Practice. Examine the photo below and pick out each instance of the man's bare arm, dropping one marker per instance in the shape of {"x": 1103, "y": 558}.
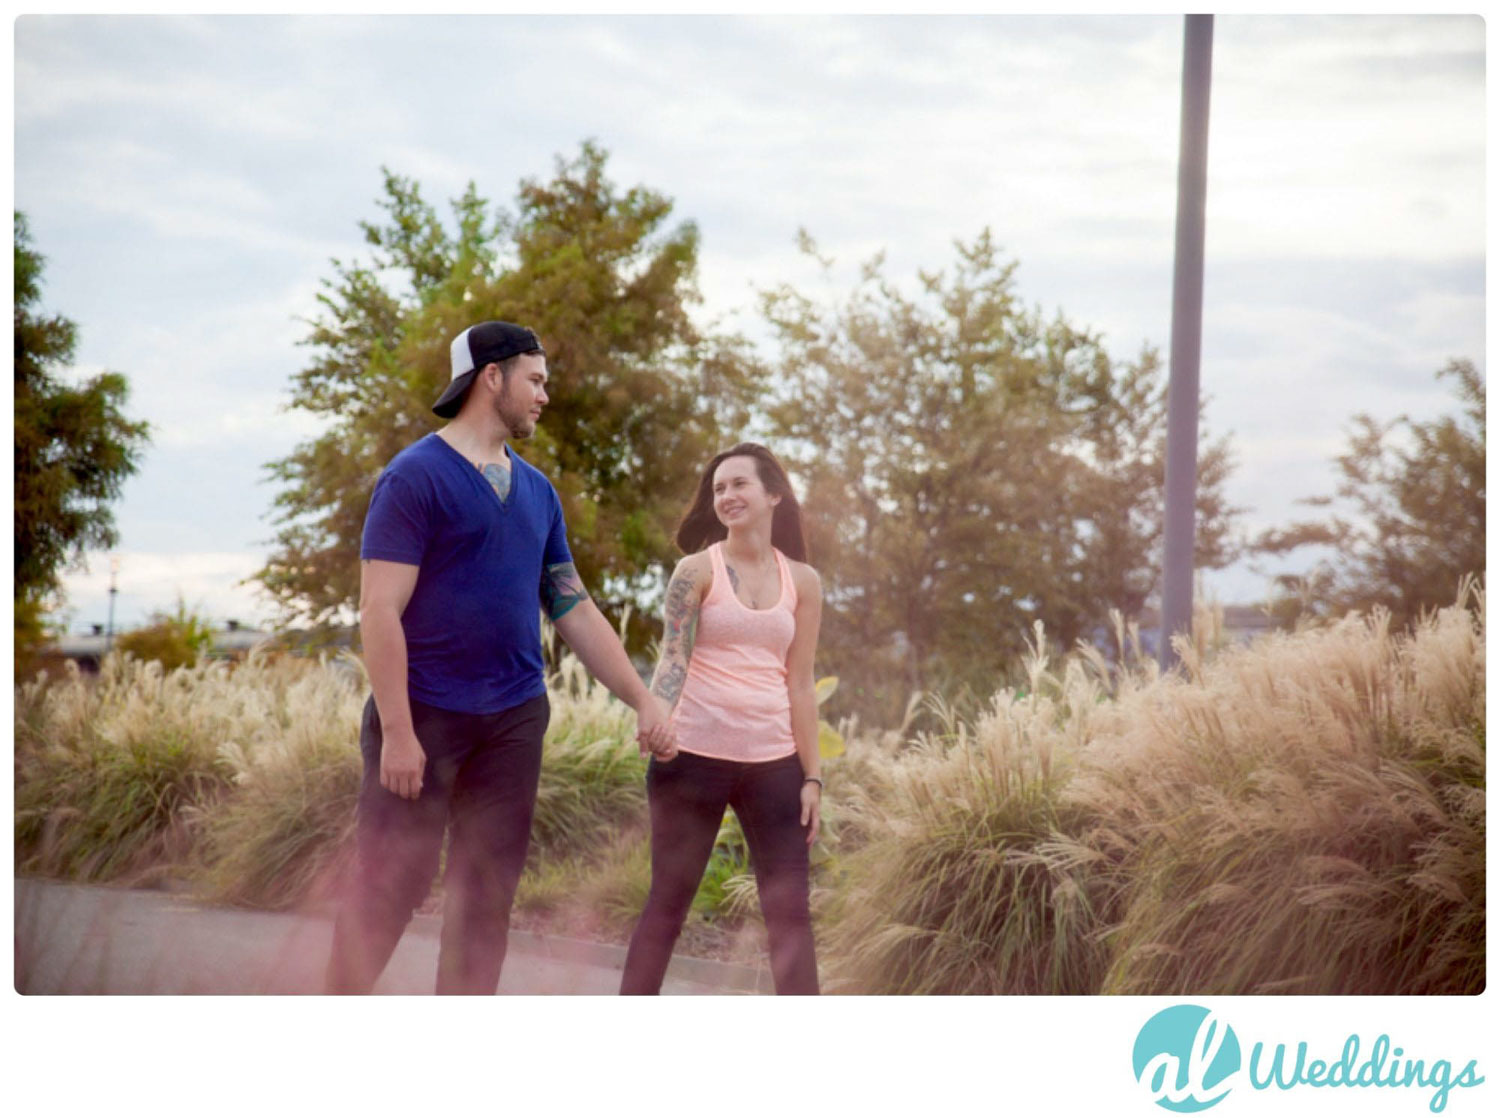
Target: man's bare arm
{"x": 589, "y": 633}
{"x": 595, "y": 642}
{"x": 384, "y": 590}
{"x": 562, "y": 589}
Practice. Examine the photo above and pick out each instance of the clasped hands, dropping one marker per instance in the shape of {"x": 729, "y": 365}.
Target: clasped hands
{"x": 652, "y": 732}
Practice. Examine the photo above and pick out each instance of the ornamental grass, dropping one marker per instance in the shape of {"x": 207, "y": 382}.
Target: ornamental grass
{"x": 1303, "y": 815}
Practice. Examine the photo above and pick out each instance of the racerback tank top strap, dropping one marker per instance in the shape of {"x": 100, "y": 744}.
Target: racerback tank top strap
{"x": 788, "y": 586}
{"x": 721, "y": 574}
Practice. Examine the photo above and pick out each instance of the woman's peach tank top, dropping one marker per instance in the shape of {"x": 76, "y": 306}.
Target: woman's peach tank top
{"x": 734, "y": 702}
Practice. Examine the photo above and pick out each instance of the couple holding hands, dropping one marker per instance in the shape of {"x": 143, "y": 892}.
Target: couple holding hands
{"x": 463, "y": 541}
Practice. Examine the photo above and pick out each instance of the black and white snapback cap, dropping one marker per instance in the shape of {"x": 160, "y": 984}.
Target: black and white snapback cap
{"x": 475, "y": 348}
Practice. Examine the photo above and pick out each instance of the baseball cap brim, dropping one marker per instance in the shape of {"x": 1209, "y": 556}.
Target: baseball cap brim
{"x": 452, "y": 399}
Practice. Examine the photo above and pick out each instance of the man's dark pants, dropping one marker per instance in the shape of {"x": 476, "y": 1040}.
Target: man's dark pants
{"x": 480, "y": 784}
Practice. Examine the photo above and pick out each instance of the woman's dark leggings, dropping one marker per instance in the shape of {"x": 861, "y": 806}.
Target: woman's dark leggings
{"x": 688, "y": 795}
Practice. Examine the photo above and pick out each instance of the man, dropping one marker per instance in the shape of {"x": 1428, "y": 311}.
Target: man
{"x": 462, "y": 543}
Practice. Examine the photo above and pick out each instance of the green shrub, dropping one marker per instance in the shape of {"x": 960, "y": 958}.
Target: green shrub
{"x": 593, "y": 776}
{"x": 728, "y": 885}
{"x": 174, "y": 640}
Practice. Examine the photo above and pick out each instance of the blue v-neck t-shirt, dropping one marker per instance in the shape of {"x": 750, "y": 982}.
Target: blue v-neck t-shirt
{"x": 473, "y": 630}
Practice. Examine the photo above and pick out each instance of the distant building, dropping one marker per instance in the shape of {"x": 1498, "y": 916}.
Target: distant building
{"x": 1242, "y": 624}
{"x": 233, "y": 642}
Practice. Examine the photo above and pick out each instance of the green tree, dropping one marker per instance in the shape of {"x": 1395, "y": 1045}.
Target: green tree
{"x": 639, "y": 396}
{"x": 1415, "y": 492}
{"x": 74, "y": 448}
{"x": 175, "y": 640}
{"x": 970, "y": 470}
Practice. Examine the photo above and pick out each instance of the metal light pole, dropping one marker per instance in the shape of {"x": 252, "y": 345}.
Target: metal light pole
{"x": 1187, "y": 337}
{"x": 109, "y": 631}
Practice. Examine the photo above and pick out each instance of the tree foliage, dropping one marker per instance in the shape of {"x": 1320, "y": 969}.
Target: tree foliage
{"x": 638, "y": 394}
{"x": 1416, "y": 497}
{"x": 174, "y": 640}
{"x": 971, "y": 470}
{"x": 74, "y": 448}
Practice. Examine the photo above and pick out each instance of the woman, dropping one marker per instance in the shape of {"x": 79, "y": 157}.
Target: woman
{"x": 736, "y": 668}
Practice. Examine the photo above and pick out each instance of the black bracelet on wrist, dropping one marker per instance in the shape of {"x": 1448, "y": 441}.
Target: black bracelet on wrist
{"x": 818, "y": 780}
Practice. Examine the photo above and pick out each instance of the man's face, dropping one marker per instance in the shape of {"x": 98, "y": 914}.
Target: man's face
{"x": 523, "y": 394}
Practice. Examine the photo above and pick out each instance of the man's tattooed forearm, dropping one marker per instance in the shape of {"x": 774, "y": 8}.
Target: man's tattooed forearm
{"x": 561, "y": 589}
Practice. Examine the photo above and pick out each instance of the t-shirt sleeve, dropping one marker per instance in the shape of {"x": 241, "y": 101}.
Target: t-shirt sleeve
{"x": 396, "y": 527}
{"x": 556, "y": 550}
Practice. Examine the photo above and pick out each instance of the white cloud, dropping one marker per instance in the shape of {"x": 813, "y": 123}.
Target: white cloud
{"x": 188, "y": 180}
{"x": 123, "y": 180}
{"x": 252, "y": 110}
{"x": 1441, "y": 320}
{"x": 223, "y": 374}
{"x": 1320, "y": 145}
{"x": 261, "y": 423}
{"x": 209, "y": 583}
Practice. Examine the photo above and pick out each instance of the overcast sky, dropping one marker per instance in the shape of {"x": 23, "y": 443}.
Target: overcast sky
{"x": 189, "y": 178}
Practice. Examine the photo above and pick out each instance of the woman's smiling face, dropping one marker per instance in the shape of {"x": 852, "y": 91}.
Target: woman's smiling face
{"x": 739, "y": 495}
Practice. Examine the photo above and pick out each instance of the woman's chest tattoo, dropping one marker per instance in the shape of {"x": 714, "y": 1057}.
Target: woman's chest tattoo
{"x": 752, "y": 595}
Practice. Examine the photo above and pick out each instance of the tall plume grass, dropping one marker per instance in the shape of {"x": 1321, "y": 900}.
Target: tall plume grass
{"x": 593, "y": 775}
{"x": 968, "y": 882}
{"x": 284, "y": 835}
{"x": 1305, "y": 816}
{"x": 112, "y": 775}
{"x": 244, "y": 779}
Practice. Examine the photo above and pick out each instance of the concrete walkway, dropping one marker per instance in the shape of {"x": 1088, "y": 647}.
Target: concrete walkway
{"x": 81, "y": 939}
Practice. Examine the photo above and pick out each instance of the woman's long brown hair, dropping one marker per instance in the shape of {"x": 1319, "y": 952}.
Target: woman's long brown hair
{"x": 701, "y": 527}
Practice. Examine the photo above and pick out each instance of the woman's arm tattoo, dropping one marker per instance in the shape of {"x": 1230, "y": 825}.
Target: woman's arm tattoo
{"x": 679, "y": 633}
{"x": 561, "y": 589}
{"x": 668, "y": 682}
